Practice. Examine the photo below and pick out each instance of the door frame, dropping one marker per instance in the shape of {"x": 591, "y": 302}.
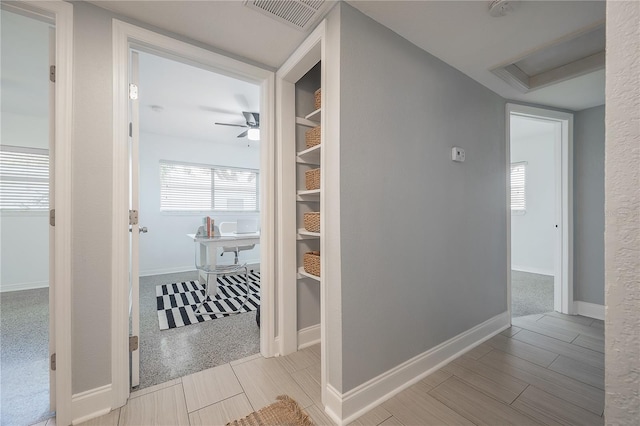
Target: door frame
{"x": 61, "y": 315}
{"x": 126, "y": 36}
{"x": 563, "y": 291}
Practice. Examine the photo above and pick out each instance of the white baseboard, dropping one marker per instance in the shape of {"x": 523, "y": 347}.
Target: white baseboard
{"x": 532, "y": 270}
{"x": 308, "y": 336}
{"x": 162, "y": 271}
{"x": 344, "y": 408}
{"x": 23, "y": 286}
{"x": 148, "y": 272}
{"x": 591, "y": 310}
{"x": 91, "y": 404}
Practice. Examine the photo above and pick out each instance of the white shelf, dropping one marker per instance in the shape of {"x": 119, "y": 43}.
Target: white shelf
{"x": 309, "y": 156}
{"x": 303, "y": 274}
{"x": 314, "y": 116}
{"x": 303, "y": 234}
{"x": 307, "y": 123}
{"x": 309, "y": 195}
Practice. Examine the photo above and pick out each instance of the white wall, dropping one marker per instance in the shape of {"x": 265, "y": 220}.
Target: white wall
{"x": 622, "y": 215}
{"x": 166, "y": 248}
{"x": 532, "y": 233}
{"x": 24, "y": 239}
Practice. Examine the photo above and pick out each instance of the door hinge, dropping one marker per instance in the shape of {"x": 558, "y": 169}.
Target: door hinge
{"x": 133, "y": 343}
{"x": 52, "y": 217}
{"x": 130, "y": 130}
{"x": 53, "y": 362}
{"x": 133, "y": 217}
{"x": 133, "y": 91}
{"x": 52, "y": 73}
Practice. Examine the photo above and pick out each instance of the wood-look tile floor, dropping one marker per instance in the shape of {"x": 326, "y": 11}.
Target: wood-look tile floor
{"x": 546, "y": 369}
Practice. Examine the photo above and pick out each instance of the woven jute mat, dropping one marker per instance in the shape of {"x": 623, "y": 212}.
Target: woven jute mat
{"x": 284, "y": 412}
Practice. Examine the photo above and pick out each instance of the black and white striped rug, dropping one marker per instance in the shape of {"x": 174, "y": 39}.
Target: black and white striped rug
{"x": 177, "y": 302}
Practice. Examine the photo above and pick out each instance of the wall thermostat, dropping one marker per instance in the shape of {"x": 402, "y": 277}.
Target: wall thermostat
{"x": 457, "y": 154}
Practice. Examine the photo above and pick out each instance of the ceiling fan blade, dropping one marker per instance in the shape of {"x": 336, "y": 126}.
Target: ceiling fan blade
{"x": 249, "y": 116}
{"x": 243, "y": 134}
{"x": 229, "y": 124}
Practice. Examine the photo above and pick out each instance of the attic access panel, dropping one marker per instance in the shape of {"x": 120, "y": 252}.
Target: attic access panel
{"x": 570, "y": 57}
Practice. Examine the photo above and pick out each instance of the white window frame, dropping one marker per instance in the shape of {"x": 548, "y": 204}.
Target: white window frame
{"x": 523, "y": 210}
{"x": 24, "y": 180}
{"x": 212, "y": 208}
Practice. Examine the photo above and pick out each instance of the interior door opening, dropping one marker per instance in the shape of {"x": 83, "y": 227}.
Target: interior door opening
{"x": 26, "y": 195}
{"x": 539, "y": 211}
{"x": 195, "y": 159}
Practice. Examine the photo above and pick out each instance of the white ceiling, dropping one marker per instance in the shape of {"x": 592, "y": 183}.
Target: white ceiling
{"x": 227, "y": 25}
{"x": 464, "y": 35}
{"x": 192, "y": 100}
{"x": 461, "y": 33}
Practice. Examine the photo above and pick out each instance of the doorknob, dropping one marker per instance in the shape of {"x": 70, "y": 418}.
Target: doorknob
{"x": 142, "y": 230}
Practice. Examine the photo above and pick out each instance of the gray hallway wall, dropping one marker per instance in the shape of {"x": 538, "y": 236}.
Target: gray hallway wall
{"x": 588, "y": 205}
{"x": 423, "y": 239}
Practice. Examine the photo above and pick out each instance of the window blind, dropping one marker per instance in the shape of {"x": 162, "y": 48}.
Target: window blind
{"x": 24, "y": 178}
{"x": 518, "y": 185}
{"x": 187, "y": 187}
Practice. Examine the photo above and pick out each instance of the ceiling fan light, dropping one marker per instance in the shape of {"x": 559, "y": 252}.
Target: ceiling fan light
{"x": 254, "y": 134}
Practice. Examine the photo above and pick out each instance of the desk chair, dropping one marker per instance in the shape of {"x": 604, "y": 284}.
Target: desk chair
{"x": 208, "y": 270}
{"x": 230, "y": 228}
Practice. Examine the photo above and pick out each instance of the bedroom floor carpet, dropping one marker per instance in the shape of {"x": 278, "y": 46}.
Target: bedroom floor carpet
{"x": 24, "y": 357}
{"x": 530, "y": 293}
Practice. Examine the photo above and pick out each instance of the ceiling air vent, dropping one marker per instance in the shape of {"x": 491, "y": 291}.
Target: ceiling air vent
{"x": 299, "y": 14}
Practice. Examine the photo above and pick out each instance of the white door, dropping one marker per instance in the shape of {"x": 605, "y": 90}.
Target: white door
{"x": 52, "y": 246}
{"x": 135, "y": 229}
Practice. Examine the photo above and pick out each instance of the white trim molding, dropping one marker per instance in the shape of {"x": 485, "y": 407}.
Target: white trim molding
{"x": 126, "y": 36}
{"x": 532, "y": 270}
{"x": 345, "y": 408}
{"x": 91, "y": 404}
{"x": 308, "y": 336}
{"x": 23, "y": 286}
{"x": 61, "y": 312}
{"x": 591, "y": 310}
{"x": 563, "y": 245}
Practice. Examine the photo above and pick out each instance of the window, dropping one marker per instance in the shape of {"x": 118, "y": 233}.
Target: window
{"x": 188, "y": 187}
{"x": 24, "y": 178}
{"x": 518, "y": 180}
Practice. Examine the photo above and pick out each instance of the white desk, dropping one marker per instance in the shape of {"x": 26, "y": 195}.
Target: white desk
{"x": 208, "y": 246}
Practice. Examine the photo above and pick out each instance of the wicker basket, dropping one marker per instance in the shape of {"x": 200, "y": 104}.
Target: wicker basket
{"x": 312, "y": 221}
{"x": 312, "y": 263}
{"x": 312, "y": 137}
{"x": 317, "y": 96}
{"x": 312, "y": 179}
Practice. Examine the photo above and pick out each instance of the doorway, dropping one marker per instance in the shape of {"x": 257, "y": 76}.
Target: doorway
{"x": 126, "y": 38}
{"x": 195, "y": 160}
{"x": 30, "y": 253}
{"x": 539, "y": 204}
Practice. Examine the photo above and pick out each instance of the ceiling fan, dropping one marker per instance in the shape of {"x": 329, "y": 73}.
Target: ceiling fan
{"x": 252, "y": 125}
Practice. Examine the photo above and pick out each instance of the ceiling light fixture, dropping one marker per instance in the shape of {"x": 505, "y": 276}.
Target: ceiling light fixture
{"x": 499, "y": 8}
{"x": 253, "y": 134}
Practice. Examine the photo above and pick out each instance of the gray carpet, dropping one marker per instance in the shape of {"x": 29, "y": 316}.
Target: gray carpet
{"x": 530, "y": 293}
{"x": 24, "y": 357}
{"x": 169, "y": 354}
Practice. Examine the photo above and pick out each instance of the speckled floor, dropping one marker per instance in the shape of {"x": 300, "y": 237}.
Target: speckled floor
{"x": 530, "y": 293}
{"x": 169, "y": 354}
{"x": 24, "y": 354}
